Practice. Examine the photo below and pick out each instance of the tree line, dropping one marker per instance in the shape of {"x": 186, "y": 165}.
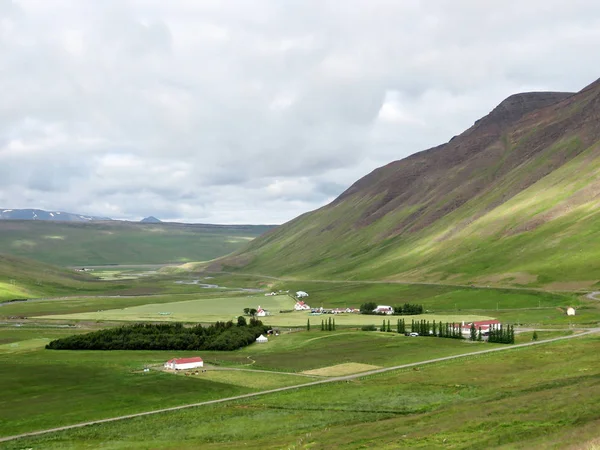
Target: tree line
{"x": 501, "y": 335}
{"x": 407, "y": 309}
{"x": 219, "y": 336}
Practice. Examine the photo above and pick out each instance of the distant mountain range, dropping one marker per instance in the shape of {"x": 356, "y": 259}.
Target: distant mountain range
{"x": 39, "y": 214}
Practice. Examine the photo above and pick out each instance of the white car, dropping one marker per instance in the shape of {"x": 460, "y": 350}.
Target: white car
{"x": 414, "y": 334}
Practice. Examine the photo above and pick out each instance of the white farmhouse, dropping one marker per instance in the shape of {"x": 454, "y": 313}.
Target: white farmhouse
{"x": 301, "y": 294}
{"x": 384, "y": 309}
{"x": 301, "y": 306}
{"x": 261, "y": 312}
{"x": 184, "y": 363}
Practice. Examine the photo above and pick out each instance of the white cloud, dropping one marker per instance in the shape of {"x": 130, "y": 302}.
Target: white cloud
{"x": 247, "y": 112}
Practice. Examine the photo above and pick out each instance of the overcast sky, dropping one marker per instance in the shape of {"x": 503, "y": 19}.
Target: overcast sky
{"x": 254, "y": 111}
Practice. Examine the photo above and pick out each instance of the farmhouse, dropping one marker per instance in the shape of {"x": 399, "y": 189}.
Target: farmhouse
{"x": 301, "y": 306}
{"x": 262, "y": 339}
{"x": 384, "y": 309}
{"x": 184, "y": 363}
{"x": 262, "y": 312}
{"x": 485, "y": 326}
{"x": 301, "y": 294}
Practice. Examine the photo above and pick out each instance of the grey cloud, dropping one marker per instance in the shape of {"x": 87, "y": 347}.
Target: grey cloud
{"x": 241, "y": 112}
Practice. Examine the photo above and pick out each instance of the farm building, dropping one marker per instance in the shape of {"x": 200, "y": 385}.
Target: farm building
{"x": 301, "y": 294}
{"x": 383, "y": 309}
{"x": 485, "y": 326}
{"x": 570, "y": 311}
{"x": 301, "y": 306}
{"x": 184, "y": 363}
{"x": 262, "y": 312}
{"x": 261, "y": 339}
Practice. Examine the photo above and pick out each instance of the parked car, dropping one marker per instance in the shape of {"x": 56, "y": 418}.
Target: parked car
{"x": 414, "y": 334}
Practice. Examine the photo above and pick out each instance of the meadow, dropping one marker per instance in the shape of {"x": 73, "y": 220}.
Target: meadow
{"x": 55, "y": 387}
{"x": 523, "y": 398}
{"x": 118, "y": 242}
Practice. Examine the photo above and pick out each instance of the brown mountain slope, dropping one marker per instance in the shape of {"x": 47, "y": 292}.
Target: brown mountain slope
{"x": 438, "y": 212}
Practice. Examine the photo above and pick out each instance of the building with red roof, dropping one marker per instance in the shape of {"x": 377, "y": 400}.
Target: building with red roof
{"x": 184, "y": 363}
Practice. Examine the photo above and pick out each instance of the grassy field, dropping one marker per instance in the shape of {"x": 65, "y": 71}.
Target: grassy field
{"x": 302, "y": 351}
{"x": 57, "y": 387}
{"x": 229, "y": 308}
{"x": 97, "y": 243}
{"x": 542, "y": 397}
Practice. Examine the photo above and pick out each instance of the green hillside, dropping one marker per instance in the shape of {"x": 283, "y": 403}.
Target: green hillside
{"x": 513, "y": 200}
{"x": 116, "y": 242}
{"x": 24, "y": 278}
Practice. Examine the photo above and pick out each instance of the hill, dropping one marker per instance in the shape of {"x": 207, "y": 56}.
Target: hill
{"x": 512, "y": 200}
{"x": 150, "y": 219}
{"x": 39, "y": 214}
{"x": 119, "y": 242}
{"x": 24, "y": 278}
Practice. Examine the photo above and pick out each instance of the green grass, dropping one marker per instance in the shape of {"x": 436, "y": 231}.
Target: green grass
{"x": 58, "y": 387}
{"x": 98, "y": 243}
{"x": 302, "y": 351}
{"x": 541, "y": 397}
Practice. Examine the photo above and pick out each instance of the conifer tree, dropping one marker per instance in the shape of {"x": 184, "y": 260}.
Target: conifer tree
{"x": 333, "y": 325}
{"x": 535, "y": 336}
{"x": 479, "y": 335}
{"x": 473, "y": 332}
{"x": 308, "y": 325}
{"x": 322, "y": 325}
{"x": 398, "y": 326}
{"x": 383, "y": 327}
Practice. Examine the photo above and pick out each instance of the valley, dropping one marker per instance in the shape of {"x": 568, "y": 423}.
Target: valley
{"x": 498, "y": 227}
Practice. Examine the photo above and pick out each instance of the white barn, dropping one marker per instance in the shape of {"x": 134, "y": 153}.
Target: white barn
{"x": 301, "y": 294}
{"x": 184, "y": 363}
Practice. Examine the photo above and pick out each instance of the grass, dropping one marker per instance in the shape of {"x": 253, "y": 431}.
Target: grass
{"x": 341, "y": 369}
{"x": 56, "y": 387}
{"x": 229, "y": 308}
{"x": 302, "y": 351}
{"x": 99, "y": 243}
{"x": 253, "y": 380}
{"x": 541, "y": 397}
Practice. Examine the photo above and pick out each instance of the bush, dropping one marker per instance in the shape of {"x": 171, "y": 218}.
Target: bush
{"x": 369, "y": 328}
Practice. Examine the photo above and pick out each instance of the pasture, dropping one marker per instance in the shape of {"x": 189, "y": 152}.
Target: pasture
{"x": 541, "y": 397}
{"x": 229, "y": 308}
{"x": 57, "y": 387}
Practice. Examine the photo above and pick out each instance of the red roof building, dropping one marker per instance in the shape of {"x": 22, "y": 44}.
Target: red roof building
{"x": 184, "y": 363}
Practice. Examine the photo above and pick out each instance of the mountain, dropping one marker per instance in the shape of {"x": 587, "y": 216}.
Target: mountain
{"x": 38, "y": 214}
{"x": 513, "y": 200}
{"x": 150, "y": 219}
